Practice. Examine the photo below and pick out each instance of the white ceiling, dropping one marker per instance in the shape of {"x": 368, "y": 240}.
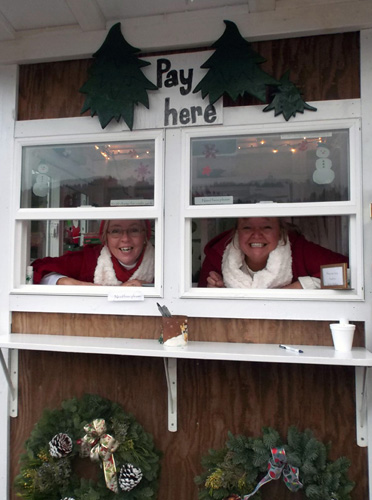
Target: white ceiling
{"x": 37, "y": 30}
{"x": 22, "y": 15}
{"x": 19, "y": 16}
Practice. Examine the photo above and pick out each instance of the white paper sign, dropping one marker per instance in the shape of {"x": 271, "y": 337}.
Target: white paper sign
{"x": 126, "y": 295}
{"x": 213, "y": 200}
{"x": 122, "y": 203}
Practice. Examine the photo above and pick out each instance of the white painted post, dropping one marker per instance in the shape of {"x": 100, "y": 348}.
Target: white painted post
{"x": 8, "y": 100}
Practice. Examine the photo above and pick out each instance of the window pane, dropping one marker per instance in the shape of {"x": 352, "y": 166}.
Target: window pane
{"x": 99, "y": 174}
{"x": 211, "y": 236}
{"x": 130, "y": 244}
{"x": 281, "y": 168}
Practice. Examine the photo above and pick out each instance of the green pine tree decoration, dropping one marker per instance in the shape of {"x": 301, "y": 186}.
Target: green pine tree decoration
{"x": 287, "y": 99}
{"x": 234, "y": 69}
{"x": 116, "y": 82}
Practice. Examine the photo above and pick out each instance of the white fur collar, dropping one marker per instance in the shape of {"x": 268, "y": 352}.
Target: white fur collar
{"x": 104, "y": 273}
{"x": 277, "y": 273}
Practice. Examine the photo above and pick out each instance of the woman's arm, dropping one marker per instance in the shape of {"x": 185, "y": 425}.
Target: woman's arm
{"x": 67, "y": 265}
{"x": 65, "y": 280}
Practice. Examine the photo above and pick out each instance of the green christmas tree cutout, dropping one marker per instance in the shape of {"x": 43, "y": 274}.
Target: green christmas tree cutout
{"x": 234, "y": 69}
{"x": 287, "y": 99}
{"x": 116, "y": 82}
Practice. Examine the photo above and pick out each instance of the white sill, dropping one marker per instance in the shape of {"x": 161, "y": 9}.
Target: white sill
{"x": 274, "y": 294}
{"x": 93, "y": 291}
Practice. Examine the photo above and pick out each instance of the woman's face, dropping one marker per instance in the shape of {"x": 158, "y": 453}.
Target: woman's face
{"x": 258, "y": 236}
{"x": 126, "y": 240}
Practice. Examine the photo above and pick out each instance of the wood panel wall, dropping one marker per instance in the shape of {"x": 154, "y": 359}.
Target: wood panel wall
{"x": 324, "y": 68}
{"x": 213, "y": 397}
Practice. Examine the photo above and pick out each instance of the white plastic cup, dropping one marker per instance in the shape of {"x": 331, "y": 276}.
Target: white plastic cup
{"x": 342, "y": 336}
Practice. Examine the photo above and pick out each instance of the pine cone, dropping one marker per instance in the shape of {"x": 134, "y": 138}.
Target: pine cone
{"x": 129, "y": 477}
{"x": 60, "y": 446}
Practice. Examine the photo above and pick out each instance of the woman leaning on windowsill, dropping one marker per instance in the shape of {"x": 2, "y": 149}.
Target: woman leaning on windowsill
{"x": 125, "y": 258}
{"x": 263, "y": 253}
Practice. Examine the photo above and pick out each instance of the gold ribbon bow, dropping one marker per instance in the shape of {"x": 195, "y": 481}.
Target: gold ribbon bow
{"x": 102, "y": 447}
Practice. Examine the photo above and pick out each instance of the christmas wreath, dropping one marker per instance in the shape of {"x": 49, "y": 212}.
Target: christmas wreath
{"x": 246, "y": 464}
{"x": 88, "y": 427}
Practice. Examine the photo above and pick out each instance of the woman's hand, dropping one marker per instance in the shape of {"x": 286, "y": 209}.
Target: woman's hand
{"x": 296, "y": 285}
{"x": 215, "y": 280}
{"x": 65, "y": 280}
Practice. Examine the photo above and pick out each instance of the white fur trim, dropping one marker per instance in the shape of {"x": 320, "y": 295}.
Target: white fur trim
{"x": 104, "y": 273}
{"x": 277, "y": 273}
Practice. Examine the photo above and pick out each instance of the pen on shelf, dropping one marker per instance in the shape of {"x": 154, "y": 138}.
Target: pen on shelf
{"x": 164, "y": 311}
{"x": 289, "y": 348}
{"x": 161, "y": 309}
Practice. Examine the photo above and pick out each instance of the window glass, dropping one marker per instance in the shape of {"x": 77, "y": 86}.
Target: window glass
{"x": 281, "y": 168}
{"x": 210, "y": 237}
{"x": 56, "y": 238}
{"x": 96, "y": 174}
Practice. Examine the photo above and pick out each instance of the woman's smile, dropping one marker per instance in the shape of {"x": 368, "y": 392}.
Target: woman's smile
{"x": 258, "y": 236}
{"x": 126, "y": 240}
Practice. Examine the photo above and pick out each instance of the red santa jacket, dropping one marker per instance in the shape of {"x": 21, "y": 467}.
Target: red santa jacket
{"x": 307, "y": 257}
{"x": 79, "y": 265}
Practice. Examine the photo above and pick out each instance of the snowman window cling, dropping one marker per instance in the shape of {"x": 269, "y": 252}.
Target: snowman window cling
{"x": 323, "y": 173}
{"x": 41, "y": 186}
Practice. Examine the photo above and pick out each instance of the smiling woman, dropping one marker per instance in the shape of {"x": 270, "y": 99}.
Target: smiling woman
{"x": 125, "y": 257}
{"x": 264, "y": 252}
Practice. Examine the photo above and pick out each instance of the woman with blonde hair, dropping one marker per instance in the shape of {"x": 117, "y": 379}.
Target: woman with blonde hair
{"x": 125, "y": 257}
{"x": 263, "y": 253}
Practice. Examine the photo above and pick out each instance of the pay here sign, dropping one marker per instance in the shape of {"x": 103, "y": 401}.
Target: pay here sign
{"x": 174, "y": 104}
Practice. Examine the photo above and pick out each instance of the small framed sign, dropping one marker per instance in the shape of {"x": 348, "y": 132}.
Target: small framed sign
{"x": 334, "y": 276}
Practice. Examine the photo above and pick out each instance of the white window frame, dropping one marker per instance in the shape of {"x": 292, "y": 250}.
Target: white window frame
{"x": 174, "y": 213}
{"x": 351, "y": 208}
{"x": 80, "y": 131}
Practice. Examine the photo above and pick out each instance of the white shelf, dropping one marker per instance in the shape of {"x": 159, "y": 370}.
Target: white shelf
{"x": 359, "y": 358}
{"x": 264, "y": 353}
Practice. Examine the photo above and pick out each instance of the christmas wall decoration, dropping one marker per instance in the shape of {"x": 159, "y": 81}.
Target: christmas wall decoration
{"x": 126, "y": 461}
{"x": 287, "y": 99}
{"x": 116, "y": 82}
{"x": 234, "y": 69}
{"x": 245, "y": 465}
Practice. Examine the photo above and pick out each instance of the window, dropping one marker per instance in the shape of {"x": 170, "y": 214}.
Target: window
{"x": 190, "y": 185}
{"x": 308, "y": 176}
{"x": 69, "y": 185}
{"x": 270, "y": 168}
